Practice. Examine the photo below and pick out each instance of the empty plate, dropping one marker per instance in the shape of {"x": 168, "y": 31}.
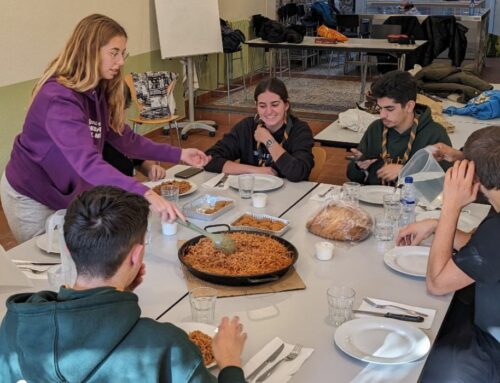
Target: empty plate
{"x": 466, "y": 222}
{"x": 410, "y": 260}
{"x": 374, "y": 193}
{"x": 263, "y": 182}
{"x": 382, "y": 341}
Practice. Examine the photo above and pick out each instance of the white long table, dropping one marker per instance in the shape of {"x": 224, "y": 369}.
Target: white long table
{"x": 164, "y": 284}
{"x": 298, "y": 317}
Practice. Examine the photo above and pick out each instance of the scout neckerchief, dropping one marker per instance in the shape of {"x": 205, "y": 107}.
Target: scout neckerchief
{"x": 386, "y": 157}
{"x": 262, "y": 155}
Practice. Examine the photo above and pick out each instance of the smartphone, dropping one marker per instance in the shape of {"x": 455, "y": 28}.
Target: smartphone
{"x": 188, "y": 173}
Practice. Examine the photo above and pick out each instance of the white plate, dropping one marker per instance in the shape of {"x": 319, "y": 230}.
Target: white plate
{"x": 152, "y": 184}
{"x": 42, "y": 243}
{"x": 410, "y": 260}
{"x": 382, "y": 341}
{"x": 374, "y": 193}
{"x": 263, "y": 182}
{"x": 466, "y": 222}
{"x": 210, "y": 330}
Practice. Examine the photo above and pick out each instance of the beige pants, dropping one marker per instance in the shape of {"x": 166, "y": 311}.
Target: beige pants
{"x": 25, "y": 216}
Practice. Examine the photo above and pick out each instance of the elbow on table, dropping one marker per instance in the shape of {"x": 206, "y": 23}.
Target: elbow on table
{"x": 435, "y": 286}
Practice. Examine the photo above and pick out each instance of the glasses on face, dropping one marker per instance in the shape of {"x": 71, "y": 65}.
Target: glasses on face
{"x": 116, "y": 55}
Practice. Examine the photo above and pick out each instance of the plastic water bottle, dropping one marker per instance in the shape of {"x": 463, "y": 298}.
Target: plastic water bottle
{"x": 408, "y": 202}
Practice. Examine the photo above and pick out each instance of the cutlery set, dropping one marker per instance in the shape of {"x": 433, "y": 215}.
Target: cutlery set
{"x": 289, "y": 357}
{"x": 222, "y": 181}
{"x": 414, "y": 316}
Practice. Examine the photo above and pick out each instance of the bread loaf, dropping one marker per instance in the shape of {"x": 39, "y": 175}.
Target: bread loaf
{"x": 341, "y": 222}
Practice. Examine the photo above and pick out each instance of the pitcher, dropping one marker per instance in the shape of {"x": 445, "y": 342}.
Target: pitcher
{"x": 66, "y": 274}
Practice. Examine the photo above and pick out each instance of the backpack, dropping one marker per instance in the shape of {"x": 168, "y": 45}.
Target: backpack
{"x": 231, "y": 39}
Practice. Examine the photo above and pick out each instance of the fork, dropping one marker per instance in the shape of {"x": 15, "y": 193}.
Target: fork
{"x": 379, "y": 306}
{"x": 291, "y": 356}
{"x": 325, "y": 193}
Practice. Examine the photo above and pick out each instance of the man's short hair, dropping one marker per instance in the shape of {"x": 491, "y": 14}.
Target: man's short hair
{"x": 397, "y": 85}
{"x": 101, "y": 226}
{"x": 483, "y": 147}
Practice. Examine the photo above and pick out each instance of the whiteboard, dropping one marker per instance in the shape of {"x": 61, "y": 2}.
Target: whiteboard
{"x": 188, "y": 27}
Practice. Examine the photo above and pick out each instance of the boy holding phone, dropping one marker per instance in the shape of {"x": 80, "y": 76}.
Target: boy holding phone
{"x": 404, "y": 128}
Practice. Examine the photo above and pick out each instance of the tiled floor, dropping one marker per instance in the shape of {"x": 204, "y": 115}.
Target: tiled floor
{"x": 333, "y": 170}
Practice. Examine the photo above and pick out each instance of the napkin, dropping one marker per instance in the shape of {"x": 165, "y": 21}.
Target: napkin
{"x": 285, "y": 371}
{"x": 334, "y": 193}
{"x": 10, "y": 275}
{"x": 426, "y": 324}
{"x": 210, "y": 184}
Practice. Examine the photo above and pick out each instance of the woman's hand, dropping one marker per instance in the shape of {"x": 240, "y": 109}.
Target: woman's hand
{"x": 152, "y": 170}
{"x": 194, "y": 157}
{"x": 414, "y": 233}
{"x": 389, "y": 172}
{"x": 167, "y": 210}
{"x": 442, "y": 152}
{"x": 261, "y": 135}
{"x": 228, "y": 343}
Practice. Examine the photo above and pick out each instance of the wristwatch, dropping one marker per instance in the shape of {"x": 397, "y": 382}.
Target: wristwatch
{"x": 269, "y": 142}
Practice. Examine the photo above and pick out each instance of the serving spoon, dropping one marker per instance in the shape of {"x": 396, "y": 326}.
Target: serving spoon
{"x": 221, "y": 242}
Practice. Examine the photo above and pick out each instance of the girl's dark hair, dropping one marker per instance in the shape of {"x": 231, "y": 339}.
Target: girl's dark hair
{"x": 272, "y": 85}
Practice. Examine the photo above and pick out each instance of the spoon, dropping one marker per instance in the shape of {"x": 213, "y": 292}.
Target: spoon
{"x": 221, "y": 242}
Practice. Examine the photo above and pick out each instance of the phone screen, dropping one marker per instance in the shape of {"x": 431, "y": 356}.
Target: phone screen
{"x": 189, "y": 172}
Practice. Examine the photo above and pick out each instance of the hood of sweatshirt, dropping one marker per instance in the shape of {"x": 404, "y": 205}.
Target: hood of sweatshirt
{"x": 65, "y": 336}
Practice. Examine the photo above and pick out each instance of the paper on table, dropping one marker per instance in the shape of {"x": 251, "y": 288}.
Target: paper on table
{"x": 285, "y": 371}
{"x": 426, "y": 324}
{"x": 210, "y": 184}
{"x": 10, "y": 275}
{"x": 323, "y": 188}
{"x": 40, "y": 273}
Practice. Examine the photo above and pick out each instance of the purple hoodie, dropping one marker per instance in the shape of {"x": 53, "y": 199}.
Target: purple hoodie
{"x": 59, "y": 151}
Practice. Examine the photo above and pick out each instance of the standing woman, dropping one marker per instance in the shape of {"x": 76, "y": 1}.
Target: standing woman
{"x": 77, "y": 106}
{"x": 273, "y": 142}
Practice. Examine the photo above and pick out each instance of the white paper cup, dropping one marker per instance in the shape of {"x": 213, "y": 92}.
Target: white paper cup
{"x": 324, "y": 250}
{"x": 259, "y": 199}
{"x": 169, "y": 228}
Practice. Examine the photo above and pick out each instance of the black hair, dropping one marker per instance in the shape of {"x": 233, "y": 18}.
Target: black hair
{"x": 483, "y": 147}
{"x": 397, "y": 85}
{"x": 101, "y": 226}
{"x": 273, "y": 85}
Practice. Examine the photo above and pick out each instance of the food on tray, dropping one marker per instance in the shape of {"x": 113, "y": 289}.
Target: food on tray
{"x": 341, "y": 222}
{"x": 184, "y": 186}
{"x": 255, "y": 254}
{"x": 216, "y": 207}
{"x": 259, "y": 223}
{"x": 204, "y": 343}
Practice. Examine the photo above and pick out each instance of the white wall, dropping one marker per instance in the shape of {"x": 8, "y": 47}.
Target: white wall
{"x": 233, "y": 10}
{"x": 32, "y": 32}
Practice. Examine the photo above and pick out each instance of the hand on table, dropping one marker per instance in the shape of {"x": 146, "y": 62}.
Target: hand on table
{"x": 152, "y": 170}
{"x": 228, "y": 343}
{"x": 194, "y": 157}
{"x": 389, "y": 172}
{"x": 414, "y": 233}
{"x": 267, "y": 170}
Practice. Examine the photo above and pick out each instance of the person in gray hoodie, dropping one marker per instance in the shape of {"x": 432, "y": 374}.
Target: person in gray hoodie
{"x": 93, "y": 331}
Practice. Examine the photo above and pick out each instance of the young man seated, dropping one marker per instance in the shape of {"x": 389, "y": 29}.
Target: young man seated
{"x": 93, "y": 331}
{"x": 471, "y": 351}
{"x": 404, "y": 128}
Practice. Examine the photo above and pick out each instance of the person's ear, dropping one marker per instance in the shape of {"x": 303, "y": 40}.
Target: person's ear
{"x": 410, "y": 106}
{"x": 136, "y": 254}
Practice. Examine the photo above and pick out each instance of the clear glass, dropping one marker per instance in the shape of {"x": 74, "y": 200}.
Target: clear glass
{"x": 350, "y": 192}
{"x": 170, "y": 193}
{"x": 340, "y": 302}
{"x": 202, "y": 300}
{"x": 384, "y": 228}
{"x": 245, "y": 185}
{"x": 392, "y": 206}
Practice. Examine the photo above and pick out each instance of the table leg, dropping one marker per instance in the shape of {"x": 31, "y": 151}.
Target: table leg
{"x": 364, "y": 68}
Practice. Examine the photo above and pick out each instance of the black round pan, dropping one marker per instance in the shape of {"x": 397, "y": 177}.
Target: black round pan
{"x": 239, "y": 280}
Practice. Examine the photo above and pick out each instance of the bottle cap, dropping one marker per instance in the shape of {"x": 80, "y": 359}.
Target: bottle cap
{"x": 408, "y": 180}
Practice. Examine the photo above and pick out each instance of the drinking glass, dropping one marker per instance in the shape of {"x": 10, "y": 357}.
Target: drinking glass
{"x": 350, "y": 192}
{"x": 170, "y": 193}
{"x": 384, "y": 228}
{"x": 392, "y": 206}
{"x": 245, "y": 184}
{"x": 340, "y": 302}
{"x": 202, "y": 300}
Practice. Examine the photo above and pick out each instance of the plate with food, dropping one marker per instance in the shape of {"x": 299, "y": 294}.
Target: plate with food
{"x": 185, "y": 187}
{"x": 208, "y": 207}
{"x": 201, "y": 335}
{"x": 262, "y": 223}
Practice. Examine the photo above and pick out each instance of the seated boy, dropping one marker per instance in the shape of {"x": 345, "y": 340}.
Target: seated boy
{"x": 93, "y": 331}
{"x": 404, "y": 128}
{"x": 470, "y": 353}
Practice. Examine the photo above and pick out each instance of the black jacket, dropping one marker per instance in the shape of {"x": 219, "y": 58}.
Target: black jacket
{"x": 294, "y": 165}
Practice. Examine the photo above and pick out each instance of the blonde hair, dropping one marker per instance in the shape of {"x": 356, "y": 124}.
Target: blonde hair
{"x": 77, "y": 66}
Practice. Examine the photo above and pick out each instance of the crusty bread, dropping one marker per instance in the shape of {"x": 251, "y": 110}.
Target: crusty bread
{"x": 341, "y": 222}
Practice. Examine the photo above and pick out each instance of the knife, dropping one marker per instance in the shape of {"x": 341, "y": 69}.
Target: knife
{"x": 27, "y": 263}
{"x": 271, "y": 358}
{"x": 222, "y": 181}
{"x": 408, "y": 318}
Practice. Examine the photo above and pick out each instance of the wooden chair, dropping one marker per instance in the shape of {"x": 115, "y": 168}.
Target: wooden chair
{"x": 319, "y": 155}
{"x": 165, "y": 122}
